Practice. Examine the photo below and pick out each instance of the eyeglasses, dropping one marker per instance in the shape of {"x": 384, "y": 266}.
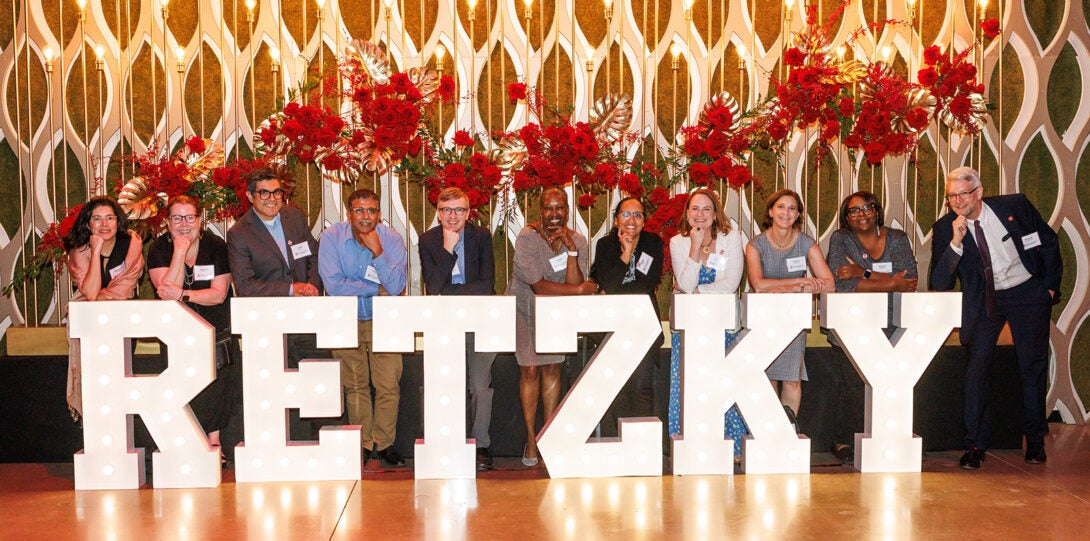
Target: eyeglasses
{"x": 959, "y": 196}
{"x": 457, "y": 211}
{"x": 865, "y": 209}
{"x": 370, "y": 211}
{"x": 177, "y": 219}
{"x": 104, "y": 218}
{"x": 265, "y": 194}
{"x": 631, "y": 214}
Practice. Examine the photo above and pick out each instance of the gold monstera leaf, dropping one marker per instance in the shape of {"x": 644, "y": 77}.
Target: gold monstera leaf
{"x": 371, "y": 57}
{"x": 722, "y": 99}
{"x": 611, "y": 117}
{"x": 426, "y": 81}
{"x": 868, "y": 86}
{"x": 847, "y": 73}
{"x": 374, "y": 159}
{"x": 508, "y": 154}
{"x": 200, "y": 164}
{"x": 977, "y": 117}
{"x": 138, "y": 201}
{"x": 918, "y": 98}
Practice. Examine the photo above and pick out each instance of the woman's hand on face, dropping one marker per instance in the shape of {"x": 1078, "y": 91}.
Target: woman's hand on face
{"x": 565, "y": 237}
{"x": 182, "y": 243}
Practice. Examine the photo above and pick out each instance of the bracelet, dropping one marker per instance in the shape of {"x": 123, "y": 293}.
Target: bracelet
{"x": 573, "y": 253}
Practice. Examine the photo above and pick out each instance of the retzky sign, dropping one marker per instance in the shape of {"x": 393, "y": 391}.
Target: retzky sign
{"x": 712, "y": 381}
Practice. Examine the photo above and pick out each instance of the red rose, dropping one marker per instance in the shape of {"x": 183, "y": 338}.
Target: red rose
{"x": 739, "y": 176}
{"x": 960, "y": 106}
{"x": 720, "y": 118}
{"x": 990, "y": 27}
{"x": 414, "y": 146}
{"x": 586, "y": 201}
{"x": 927, "y": 77}
{"x": 794, "y": 57}
{"x": 853, "y": 141}
{"x": 875, "y": 152}
{"x": 446, "y": 88}
{"x": 932, "y": 54}
{"x": 462, "y": 139}
{"x": 722, "y": 167}
{"x": 332, "y": 162}
{"x": 516, "y": 91}
{"x": 917, "y": 118}
{"x": 695, "y": 147}
{"x": 291, "y": 129}
{"x": 478, "y": 161}
{"x": 630, "y": 184}
{"x": 777, "y": 131}
{"x": 659, "y": 196}
{"x": 699, "y": 173}
{"x": 846, "y": 106}
{"x": 195, "y": 145}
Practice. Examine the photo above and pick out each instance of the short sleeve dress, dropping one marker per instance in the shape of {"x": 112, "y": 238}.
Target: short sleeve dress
{"x": 789, "y": 366}
{"x": 531, "y": 265}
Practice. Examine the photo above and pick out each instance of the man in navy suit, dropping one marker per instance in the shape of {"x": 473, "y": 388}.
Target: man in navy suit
{"x": 456, "y": 259}
{"x": 1008, "y": 261}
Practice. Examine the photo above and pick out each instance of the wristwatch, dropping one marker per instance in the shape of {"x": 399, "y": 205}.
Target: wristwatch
{"x": 185, "y": 296}
{"x": 866, "y": 274}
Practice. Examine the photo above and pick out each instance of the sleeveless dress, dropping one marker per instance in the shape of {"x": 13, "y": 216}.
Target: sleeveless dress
{"x": 789, "y": 365}
{"x": 734, "y": 426}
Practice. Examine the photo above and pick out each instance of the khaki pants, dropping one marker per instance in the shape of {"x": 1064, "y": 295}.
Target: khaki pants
{"x": 361, "y": 369}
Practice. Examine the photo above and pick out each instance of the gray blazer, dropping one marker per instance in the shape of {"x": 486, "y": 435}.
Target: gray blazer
{"x": 257, "y": 265}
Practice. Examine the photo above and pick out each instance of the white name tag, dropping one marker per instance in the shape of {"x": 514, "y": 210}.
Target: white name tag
{"x": 301, "y": 250}
{"x": 372, "y": 275}
{"x": 717, "y": 262}
{"x": 886, "y": 267}
{"x": 644, "y": 264}
{"x": 795, "y": 264}
{"x": 204, "y": 272}
{"x": 559, "y": 262}
{"x": 1031, "y": 240}
{"x": 116, "y": 271}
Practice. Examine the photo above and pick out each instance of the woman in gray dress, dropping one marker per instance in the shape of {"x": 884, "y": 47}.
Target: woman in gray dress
{"x": 776, "y": 261}
{"x": 550, "y": 259}
{"x": 866, "y": 257}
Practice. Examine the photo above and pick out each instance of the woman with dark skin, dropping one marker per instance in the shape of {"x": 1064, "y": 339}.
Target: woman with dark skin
{"x": 866, "y": 257}
{"x": 550, "y": 259}
{"x": 105, "y": 261}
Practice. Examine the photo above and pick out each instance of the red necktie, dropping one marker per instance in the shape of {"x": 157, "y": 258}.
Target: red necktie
{"x": 989, "y": 278}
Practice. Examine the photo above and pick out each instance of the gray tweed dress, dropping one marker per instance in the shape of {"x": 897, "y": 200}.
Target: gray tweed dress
{"x": 789, "y": 366}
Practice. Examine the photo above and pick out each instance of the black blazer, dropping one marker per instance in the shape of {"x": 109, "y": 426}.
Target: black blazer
{"x": 1020, "y": 218}
{"x": 437, "y": 263}
{"x": 257, "y": 266}
{"x": 608, "y": 269}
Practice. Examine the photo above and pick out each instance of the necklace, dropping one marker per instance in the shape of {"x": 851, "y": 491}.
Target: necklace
{"x": 785, "y": 244}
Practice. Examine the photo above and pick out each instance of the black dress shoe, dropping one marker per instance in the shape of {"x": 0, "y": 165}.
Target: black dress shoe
{"x": 390, "y": 456}
{"x": 844, "y": 453}
{"x": 972, "y": 458}
{"x": 1035, "y": 453}
{"x": 484, "y": 459}
{"x": 366, "y": 455}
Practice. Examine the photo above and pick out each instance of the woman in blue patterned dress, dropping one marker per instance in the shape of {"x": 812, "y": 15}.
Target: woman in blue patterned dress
{"x": 776, "y": 261}
{"x": 707, "y": 258}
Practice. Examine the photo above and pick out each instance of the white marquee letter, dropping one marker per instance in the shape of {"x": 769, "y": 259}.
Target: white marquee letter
{"x": 563, "y": 442}
{"x": 890, "y": 370}
{"x": 444, "y": 452}
{"x": 112, "y": 394}
{"x": 711, "y": 384}
{"x": 269, "y": 389}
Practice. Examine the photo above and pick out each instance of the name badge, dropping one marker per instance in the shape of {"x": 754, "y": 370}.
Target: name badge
{"x": 717, "y": 262}
{"x": 559, "y": 262}
{"x": 1031, "y": 240}
{"x": 301, "y": 250}
{"x": 116, "y": 271}
{"x": 795, "y": 264}
{"x": 204, "y": 272}
{"x": 372, "y": 274}
{"x": 644, "y": 264}
{"x": 886, "y": 267}
{"x": 454, "y": 271}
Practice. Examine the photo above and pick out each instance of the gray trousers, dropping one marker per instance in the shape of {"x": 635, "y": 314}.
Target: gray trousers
{"x": 479, "y": 380}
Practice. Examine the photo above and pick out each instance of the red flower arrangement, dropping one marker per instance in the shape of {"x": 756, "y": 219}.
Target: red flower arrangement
{"x": 459, "y": 166}
{"x": 892, "y": 112}
{"x": 952, "y": 81}
{"x": 712, "y": 149}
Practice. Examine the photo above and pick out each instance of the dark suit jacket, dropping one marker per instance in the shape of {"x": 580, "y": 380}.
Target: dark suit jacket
{"x": 1020, "y": 218}
{"x": 257, "y": 266}
{"x": 437, "y": 263}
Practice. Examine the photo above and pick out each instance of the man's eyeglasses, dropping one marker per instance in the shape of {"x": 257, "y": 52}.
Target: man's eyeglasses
{"x": 856, "y": 211}
{"x": 178, "y": 219}
{"x": 630, "y": 214}
{"x": 370, "y": 211}
{"x": 959, "y": 196}
{"x": 457, "y": 211}
{"x": 105, "y": 218}
{"x": 265, "y": 194}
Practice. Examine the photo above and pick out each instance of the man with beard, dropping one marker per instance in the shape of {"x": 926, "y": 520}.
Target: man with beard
{"x": 1007, "y": 259}
{"x": 363, "y": 257}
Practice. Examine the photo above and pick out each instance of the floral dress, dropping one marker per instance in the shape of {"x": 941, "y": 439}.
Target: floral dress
{"x": 734, "y": 427}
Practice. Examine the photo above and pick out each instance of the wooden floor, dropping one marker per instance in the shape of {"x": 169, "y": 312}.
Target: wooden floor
{"x": 1006, "y": 499}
